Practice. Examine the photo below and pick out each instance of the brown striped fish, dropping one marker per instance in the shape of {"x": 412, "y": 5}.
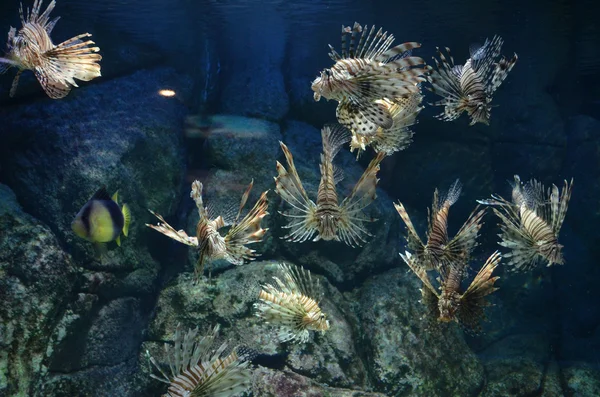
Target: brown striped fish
{"x": 54, "y": 66}
{"x": 441, "y": 252}
{"x": 209, "y": 241}
{"x": 531, "y": 223}
{"x": 292, "y": 305}
{"x": 327, "y": 218}
{"x": 366, "y": 72}
{"x": 470, "y": 87}
{"x": 451, "y": 303}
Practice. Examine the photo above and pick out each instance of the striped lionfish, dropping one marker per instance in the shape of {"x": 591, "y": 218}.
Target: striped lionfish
{"x": 404, "y": 113}
{"x": 55, "y": 66}
{"x": 366, "y": 74}
{"x": 327, "y": 218}
{"x": 441, "y": 252}
{"x": 531, "y": 223}
{"x": 196, "y": 369}
{"x": 211, "y": 244}
{"x": 470, "y": 87}
{"x": 293, "y": 306}
{"x": 450, "y": 303}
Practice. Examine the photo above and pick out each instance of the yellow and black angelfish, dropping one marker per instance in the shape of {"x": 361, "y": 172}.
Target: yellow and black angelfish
{"x": 101, "y": 220}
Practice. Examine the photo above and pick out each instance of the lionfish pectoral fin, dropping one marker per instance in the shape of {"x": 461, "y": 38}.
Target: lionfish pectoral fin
{"x": 247, "y": 231}
{"x": 15, "y": 83}
{"x": 350, "y": 116}
{"x": 465, "y": 239}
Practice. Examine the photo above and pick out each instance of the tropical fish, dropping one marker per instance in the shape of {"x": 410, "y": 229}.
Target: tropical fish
{"x": 470, "y": 87}
{"x": 101, "y": 220}
{"x": 451, "y": 303}
{"x": 441, "y": 252}
{"x": 210, "y": 243}
{"x": 531, "y": 223}
{"x": 366, "y": 73}
{"x": 197, "y": 369}
{"x": 404, "y": 113}
{"x": 293, "y": 306}
{"x": 326, "y": 218}
{"x": 55, "y": 66}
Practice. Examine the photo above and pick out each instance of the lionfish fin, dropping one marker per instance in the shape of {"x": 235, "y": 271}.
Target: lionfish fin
{"x": 414, "y": 242}
{"x": 473, "y": 302}
{"x": 72, "y": 59}
{"x": 333, "y": 138}
{"x": 166, "y": 229}
{"x": 483, "y": 57}
{"x": 349, "y": 114}
{"x": 350, "y": 228}
{"x": 419, "y": 271}
{"x": 247, "y": 231}
{"x": 15, "y": 83}
{"x": 560, "y": 203}
{"x": 458, "y": 250}
{"x": 445, "y": 82}
{"x": 503, "y": 67}
{"x": 289, "y": 187}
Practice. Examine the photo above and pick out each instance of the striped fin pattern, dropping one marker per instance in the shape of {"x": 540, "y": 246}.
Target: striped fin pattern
{"x": 303, "y": 223}
{"x": 413, "y": 241}
{"x": 177, "y": 235}
{"x": 530, "y": 224}
{"x": 470, "y": 87}
{"x": 292, "y": 305}
{"x": 351, "y": 229}
{"x": 473, "y": 300}
{"x": 196, "y": 369}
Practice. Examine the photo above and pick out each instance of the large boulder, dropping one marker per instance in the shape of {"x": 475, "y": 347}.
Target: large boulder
{"x": 55, "y": 155}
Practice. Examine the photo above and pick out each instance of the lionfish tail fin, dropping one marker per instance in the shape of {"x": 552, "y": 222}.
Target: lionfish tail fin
{"x": 333, "y": 138}
{"x": 473, "y": 301}
{"x": 503, "y": 67}
{"x": 248, "y": 231}
{"x": 196, "y": 195}
{"x": 72, "y": 59}
{"x": 351, "y": 228}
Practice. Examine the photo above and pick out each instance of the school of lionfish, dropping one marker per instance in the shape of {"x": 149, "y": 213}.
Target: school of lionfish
{"x": 378, "y": 88}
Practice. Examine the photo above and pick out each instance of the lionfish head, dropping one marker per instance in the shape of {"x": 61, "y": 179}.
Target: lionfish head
{"x": 321, "y": 85}
{"x": 317, "y": 320}
{"x": 480, "y": 113}
{"x": 328, "y": 225}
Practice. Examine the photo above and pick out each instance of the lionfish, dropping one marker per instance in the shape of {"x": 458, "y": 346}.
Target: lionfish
{"x": 367, "y": 73}
{"x": 293, "y": 306}
{"x": 404, "y": 113}
{"x": 531, "y": 223}
{"x": 55, "y": 66}
{"x": 470, "y": 87}
{"x": 326, "y": 218}
{"x": 441, "y": 252}
{"x": 451, "y": 303}
{"x": 211, "y": 244}
{"x": 196, "y": 369}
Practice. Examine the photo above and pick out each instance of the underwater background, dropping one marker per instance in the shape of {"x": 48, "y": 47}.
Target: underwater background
{"x": 241, "y": 71}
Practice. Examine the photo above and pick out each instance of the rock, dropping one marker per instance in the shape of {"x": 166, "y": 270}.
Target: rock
{"x": 408, "y": 354}
{"x": 329, "y": 358}
{"x": 55, "y": 155}
{"x": 36, "y": 283}
{"x": 516, "y": 365}
{"x": 582, "y": 380}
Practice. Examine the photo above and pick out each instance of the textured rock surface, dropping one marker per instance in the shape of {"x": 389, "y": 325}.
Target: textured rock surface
{"x": 36, "y": 285}
{"x": 55, "y": 154}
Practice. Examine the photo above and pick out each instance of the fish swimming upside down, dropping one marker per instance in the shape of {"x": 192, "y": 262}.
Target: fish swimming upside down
{"x": 367, "y": 72}
{"x": 210, "y": 243}
{"x": 101, "y": 220}
{"x": 470, "y": 87}
{"x": 327, "y": 218}
{"x": 54, "y": 66}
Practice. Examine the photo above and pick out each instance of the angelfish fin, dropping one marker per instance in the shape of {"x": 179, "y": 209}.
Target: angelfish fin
{"x": 118, "y": 240}
{"x": 101, "y": 194}
{"x": 115, "y": 197}
{"x": 126, "y": 218}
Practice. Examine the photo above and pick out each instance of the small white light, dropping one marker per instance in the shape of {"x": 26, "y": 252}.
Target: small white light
{"x": 166, "y": 93}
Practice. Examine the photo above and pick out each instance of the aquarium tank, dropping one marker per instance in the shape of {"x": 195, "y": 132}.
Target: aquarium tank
{"x": 299, "y": 198}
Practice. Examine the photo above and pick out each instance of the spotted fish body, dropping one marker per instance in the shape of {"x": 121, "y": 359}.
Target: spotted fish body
{"x": 55, "y": 66}
{"x": 470, "y": 87}
{"x": 531, "y": 223}
{"x": 366, "y": 73}
{"x": 209, "y": 241}
{"x": 451, "y": 303}
{"x": 327, "y": 218}
{"x": 440, "y": 252}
